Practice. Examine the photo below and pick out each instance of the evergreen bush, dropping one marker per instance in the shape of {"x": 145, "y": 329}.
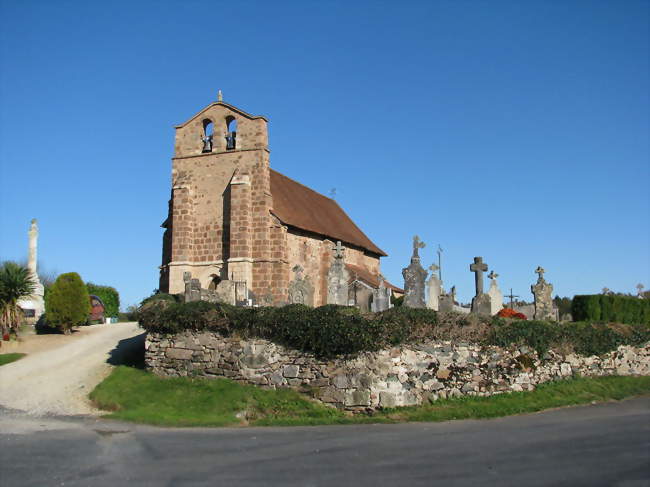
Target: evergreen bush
{"x": 109, "y": 296}
{"x": 68, "y": 302}
{"x": 611, "y": 308}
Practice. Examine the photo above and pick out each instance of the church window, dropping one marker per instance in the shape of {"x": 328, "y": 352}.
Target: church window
{"x": 231, "y": 135}
{"x": 206, "y": 137}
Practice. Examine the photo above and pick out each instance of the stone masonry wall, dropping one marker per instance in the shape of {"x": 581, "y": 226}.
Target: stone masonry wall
{"x": 400, "y": 376}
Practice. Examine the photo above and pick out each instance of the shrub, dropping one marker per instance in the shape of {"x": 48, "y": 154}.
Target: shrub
{"x": 611, "y": 308}
{"x": 68, "y": 302}
{"x": 332, "y": 330}
{"x": 109, "y": 296}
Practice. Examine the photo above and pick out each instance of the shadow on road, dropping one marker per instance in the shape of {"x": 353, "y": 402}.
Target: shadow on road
{"x": 129, "y": 352}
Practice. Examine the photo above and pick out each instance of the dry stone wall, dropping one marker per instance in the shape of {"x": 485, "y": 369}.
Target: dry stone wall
{"x": 400, "y": 376}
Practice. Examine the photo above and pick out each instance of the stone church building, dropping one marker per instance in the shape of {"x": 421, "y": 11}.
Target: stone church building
{"x": 237, "y": 226}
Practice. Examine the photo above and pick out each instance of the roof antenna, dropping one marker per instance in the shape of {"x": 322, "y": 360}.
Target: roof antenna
{"x": 219, "y": 96}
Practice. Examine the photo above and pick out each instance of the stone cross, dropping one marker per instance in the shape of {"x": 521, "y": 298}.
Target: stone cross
{"x": 417, "y": 244}
{"x": 540, "y": 271}
{"x": 433, "y": 268}
{"x": 338, "y": 250}
{"x": 478, "y": 267}
{"x": 297, "y": 269}
{"x": 493, "y": 275}
{"x": 639, "y": 288}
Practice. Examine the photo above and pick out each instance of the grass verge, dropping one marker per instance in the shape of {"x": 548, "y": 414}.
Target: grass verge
{"x": 139, "y": 396}
{"x": 7, "y": 358}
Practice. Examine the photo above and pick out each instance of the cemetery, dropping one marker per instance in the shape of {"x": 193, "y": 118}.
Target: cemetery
{"x": 424, "y": 350}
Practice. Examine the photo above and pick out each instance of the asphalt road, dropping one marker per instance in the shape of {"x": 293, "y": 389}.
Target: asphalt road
{"x": 605, "y": 444}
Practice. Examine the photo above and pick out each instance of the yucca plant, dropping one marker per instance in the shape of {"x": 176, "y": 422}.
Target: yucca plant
{"x": 16, "y": 283}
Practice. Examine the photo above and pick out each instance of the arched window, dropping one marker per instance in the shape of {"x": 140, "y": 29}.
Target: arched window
{"x": 231, "y": 135}
{"x": 206, "y": 137}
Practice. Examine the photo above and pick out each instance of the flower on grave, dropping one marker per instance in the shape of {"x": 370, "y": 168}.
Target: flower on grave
{"x": 511, "y": 313}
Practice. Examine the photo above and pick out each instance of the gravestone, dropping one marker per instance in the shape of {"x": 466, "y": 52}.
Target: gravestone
{"x": 542, "y": 291}
{"x": 192, "y": 288}
{"x": 448, "y": 300}
{"x": 481, "y": 301}
{"x": 414, "y": 277}
{"x": 496, "y": 296}
{"x": 301, "y": 290}
{"x": 380, "y": 297}
{"x": 434, "y": 289}
{"x": 337, "y": 279}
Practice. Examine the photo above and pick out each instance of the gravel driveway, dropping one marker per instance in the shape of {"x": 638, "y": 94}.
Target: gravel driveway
{"x": 56, "y": 379}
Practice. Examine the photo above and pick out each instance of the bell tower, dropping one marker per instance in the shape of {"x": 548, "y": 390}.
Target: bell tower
{"x": 219, "y": 210}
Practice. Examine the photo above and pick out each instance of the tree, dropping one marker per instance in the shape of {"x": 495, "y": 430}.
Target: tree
{"x": 16, "y": 282}
{"x": 68, "y": 302}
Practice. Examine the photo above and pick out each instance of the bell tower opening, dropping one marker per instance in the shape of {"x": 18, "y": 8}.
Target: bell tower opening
{"x": 208, "y": 132}
{"x": 231, "y": 134}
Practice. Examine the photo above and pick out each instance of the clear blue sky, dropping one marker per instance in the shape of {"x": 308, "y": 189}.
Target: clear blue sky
{"x": 513, "y": 130}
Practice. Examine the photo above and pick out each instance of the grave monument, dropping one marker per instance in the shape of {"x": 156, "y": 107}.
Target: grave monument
{"x": 434, "y": 289}
{"x": 414, "y": 277}
{"x": 496, "y": 296}
{"x": 542, "y": 291}
{"x": 480, "y": 302}
{"x": 337, "y": 278}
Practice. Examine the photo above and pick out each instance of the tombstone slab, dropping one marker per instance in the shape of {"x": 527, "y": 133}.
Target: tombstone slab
{"x": 338, "y": 278}
{"x": 496, "y": 296}
{"x": 380, "y": 297}
{"x": 301, "y": 290}
{"x": 414, "y": 277}
{"x": 542, "y": 291}
{"x": 434, "y": 289}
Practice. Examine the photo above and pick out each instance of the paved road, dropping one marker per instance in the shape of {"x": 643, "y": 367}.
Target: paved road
{"x": 56, "y": 377}
{"x": 605, "y": 444}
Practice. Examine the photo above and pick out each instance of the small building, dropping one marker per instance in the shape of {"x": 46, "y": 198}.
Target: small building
{"x": 96, "y": 309}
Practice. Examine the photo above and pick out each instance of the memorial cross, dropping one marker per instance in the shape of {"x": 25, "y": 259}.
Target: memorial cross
{"x": 492, "y": 275}
{"x": 417, "y": 244}
{"x": 540, "y": 271}
{"x": 338, "y": 250}
{"x": 511, "y": 296}
{"x": 478, "y": 267}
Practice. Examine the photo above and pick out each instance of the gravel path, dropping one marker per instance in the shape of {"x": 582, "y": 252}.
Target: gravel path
{"x": 56, "y": 380}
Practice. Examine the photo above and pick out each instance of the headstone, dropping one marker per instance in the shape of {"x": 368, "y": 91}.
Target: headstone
{"x": 192, "y": 288}
{"x": 301, "y": 290}
{"x": 496, "y": 296}
{"x": 434, "y": 289}
{"x": 380, "y": 297}
{"x": 481, "y": 301}
{"x": 448, "y": 300}
{"x": 542, "y": 291}
{"x": 414, "y": 277}
{"x": 337, "y": 278}
{"x": 36, "y": 301}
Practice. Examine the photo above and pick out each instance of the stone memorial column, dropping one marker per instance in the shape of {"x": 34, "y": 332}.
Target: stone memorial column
{"x": 414, "y": 277}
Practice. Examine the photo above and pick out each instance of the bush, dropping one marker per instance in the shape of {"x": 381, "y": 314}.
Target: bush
{"x": 611, "y": 308}
{"x": 332, "y": 330}
{"x": 68, "y": 302}
{"x": 510, "y": 313}
{"x": 109, "y": 296}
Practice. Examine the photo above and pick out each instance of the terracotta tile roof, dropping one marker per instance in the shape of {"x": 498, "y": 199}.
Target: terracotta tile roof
{"x": 369, "y": 278}
{"x": 304, "y": 208}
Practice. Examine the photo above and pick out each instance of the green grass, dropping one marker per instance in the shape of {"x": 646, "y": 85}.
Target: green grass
{"x": 7, "y": 358}
{"x": 139, "y": 396}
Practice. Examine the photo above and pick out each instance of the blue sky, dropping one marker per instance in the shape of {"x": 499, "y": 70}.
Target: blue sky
{"x": 517, "y": 131}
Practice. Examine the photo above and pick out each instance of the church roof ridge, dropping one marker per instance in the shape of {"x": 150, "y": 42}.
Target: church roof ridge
{"x": 227, "y": 105}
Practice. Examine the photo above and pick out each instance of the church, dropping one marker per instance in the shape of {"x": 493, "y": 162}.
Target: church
{"x": 237, "y": 227}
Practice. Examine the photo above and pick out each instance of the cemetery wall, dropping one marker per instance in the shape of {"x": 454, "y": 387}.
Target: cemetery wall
{"x": 399, "y": 376}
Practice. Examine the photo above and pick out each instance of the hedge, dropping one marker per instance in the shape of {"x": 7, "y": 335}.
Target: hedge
{"x": 611, "y": 308}
{"x": 109, "y": 296}
{"x": 332, "y": 330}
{"x": 68, "y": 303}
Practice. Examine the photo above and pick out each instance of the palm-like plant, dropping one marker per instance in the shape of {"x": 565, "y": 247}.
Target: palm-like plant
{"x": 16, "y": 283}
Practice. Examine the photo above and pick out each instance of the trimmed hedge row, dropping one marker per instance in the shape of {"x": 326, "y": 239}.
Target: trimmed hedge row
{"x": 331, "y": 330}
{"x": 607, "y": 308}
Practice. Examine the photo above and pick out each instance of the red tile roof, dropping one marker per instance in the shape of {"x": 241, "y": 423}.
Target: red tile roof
{"x": 304, "y": 208}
